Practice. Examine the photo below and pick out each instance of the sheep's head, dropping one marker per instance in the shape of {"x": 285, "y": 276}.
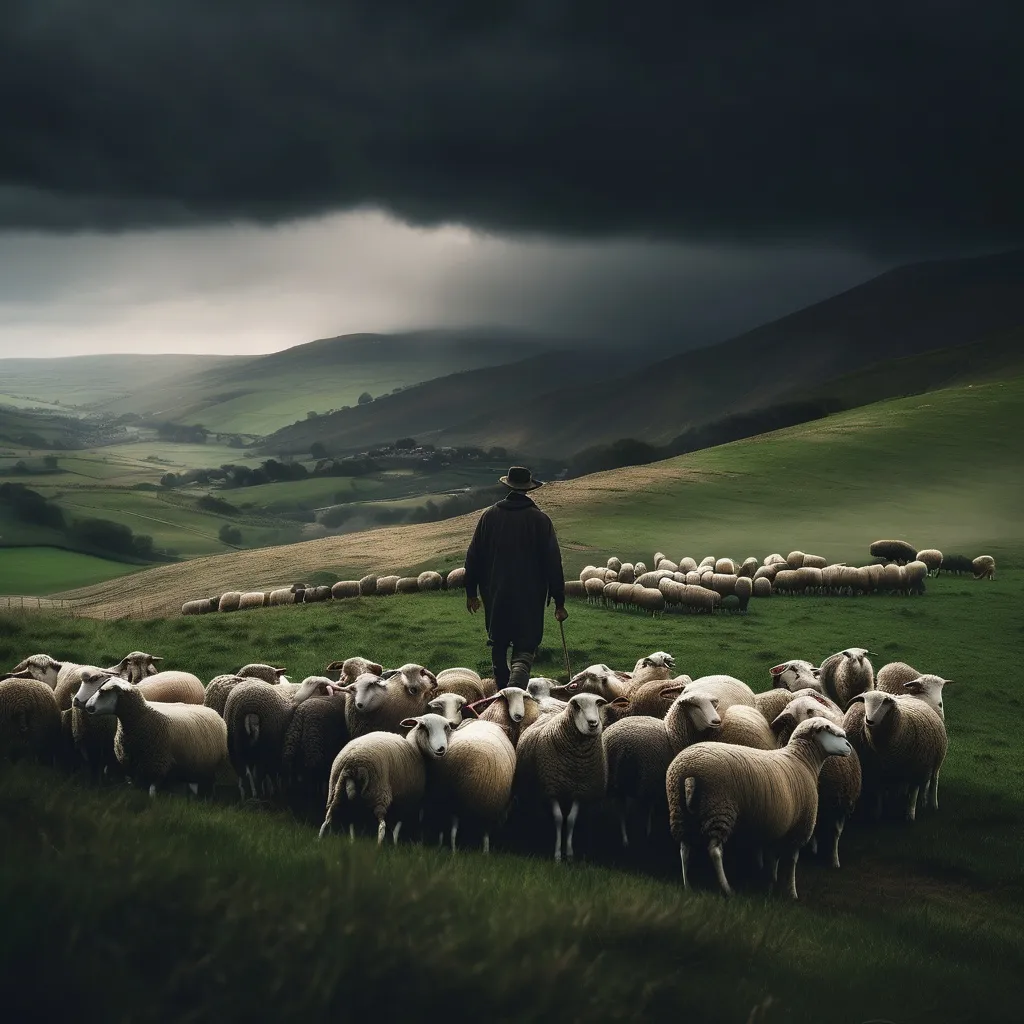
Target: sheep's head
{"x": 858, "y": 654}
{"x": 312, "y": 686}
{"x": 829, "y": 737}
{"x": 929, "y": 689}
{"x": 41, "y": 667}
{"x": 598, "y": 679}
{"x": 430, "y": 733}
{"x": 540, "y": 686}
{"x": 701, "y": 709}
{"x": 136, "y": 666}
{"x": 367, "y": 693}
{"x": 352, "y": 668}
{"x": 515, "y": 697}
{"x": 877, "y": 704}
{"x": 268, "y": 673}
{"x": 800, "y": 709}
{"x": 90, "y": 680}
{"x": 585, "y": 709}
{"x": 104, "y": 700}
{"x": 449, "y": 706}
{"x": 795, "y": 675}
{"x": 416, "y": 679}
{"x": 659, "y": 659}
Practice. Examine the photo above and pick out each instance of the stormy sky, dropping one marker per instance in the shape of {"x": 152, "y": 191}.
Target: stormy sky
{"x": 240, "y": 175}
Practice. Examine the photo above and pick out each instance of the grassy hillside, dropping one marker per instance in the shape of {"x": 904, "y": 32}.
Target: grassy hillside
{"x": 42, "y": 570}
{"x": 261, "y": 394}
{"x": 942, "y": 469}
{"x": 611, "y": 938}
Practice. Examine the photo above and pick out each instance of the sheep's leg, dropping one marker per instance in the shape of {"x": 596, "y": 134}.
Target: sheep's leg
{"x": 152, "y": 790}
{"x": 382, "y": 830}
{"x": 935, "y": 791}
{"x": 455, "y": 830}
{"x": 837, "y": 831}
{"x": 794, "y": 857}
{"x": 715, "y": 852}
{"x": 775, "y": 869}
{"x": 252, "y": 780}
{"x": 622, "y": 828}
{"x": 684, "y": 860}
{"x": 759, "y": 857}
{"x": 194, "y": 786}
{"x": 394, "y": 833}
{"x": 325, "y": 827}
{"x": 571, "y": 824}
{"x": 814, "y": 844}
{"x": 241, "y": 788}
{"x": 351, "y": 833}
{"x": 487, "y": 842}
{"x": 556, "y": 812}
{"x": 912, "y": 803}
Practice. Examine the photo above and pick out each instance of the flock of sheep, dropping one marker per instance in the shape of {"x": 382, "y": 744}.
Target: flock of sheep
{"x": 686, "y": 585}
{"x": 722, "y": 583}
{"x": 650, "y": 751}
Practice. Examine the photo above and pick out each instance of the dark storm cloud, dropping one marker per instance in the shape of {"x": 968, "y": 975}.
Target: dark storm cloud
{"x": 888, "y": 123}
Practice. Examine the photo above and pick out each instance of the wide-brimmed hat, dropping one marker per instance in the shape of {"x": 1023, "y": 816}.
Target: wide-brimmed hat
{"x": 519, "y": 478}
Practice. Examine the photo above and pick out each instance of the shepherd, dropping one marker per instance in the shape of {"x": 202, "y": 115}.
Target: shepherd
{"x": 515, "y": 563}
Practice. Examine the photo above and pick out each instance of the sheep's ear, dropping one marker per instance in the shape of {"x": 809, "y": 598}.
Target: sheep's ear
{"x": 433, "y": 679}
{"x": 781, "y": 720}
{"x": 913, "y": 686}
{"x": 408, "y": 723}
{"x": 375, "y": 668}
{"x": 619, "y": 702}
{"x": 672, "y": 691}
{"x": 947, "y": 682}
{"x": 279, "y": 671}
{"x": 816, "y": 672}
{"x": 854, "y": 700}
{"x": 623, "y": 677}
{"x": 777, "y": 670}
{"x": 336, "y": 666}
{"x": 600, "y": 700}
{"x": 153, "y": 657}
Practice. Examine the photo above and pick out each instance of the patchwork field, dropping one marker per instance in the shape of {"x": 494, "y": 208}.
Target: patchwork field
{"x": 40, "y": 570}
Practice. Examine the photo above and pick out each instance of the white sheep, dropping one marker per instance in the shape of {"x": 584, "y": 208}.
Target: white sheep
{"x": 29, "y": 719}
{"x": 932, "y": 558}
{"x": 380, "y": 703}
{"x": 449, "y": 706}
{"x": 845, "y": 674}
{"x": 41, "y": 667}
{"x": 716, "y": 789}
{"x": 795, "y": 674}
{"x": 561, "y": 759}
{"x": 384, "y": 774}
{"x": 157, "y": 743}
{"x": 984, "y": 567}
{"x": 900, "y": 678}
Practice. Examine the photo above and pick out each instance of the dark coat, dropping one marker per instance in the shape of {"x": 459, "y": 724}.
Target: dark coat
{"x": 515, "y": 562}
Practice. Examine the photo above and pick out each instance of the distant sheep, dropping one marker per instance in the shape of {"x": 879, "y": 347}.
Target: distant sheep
{"x": 230, "y": 601}
{"x": 984, "y": 567}
{"x": 957, "y": 564}
{"x": 387, "y": 585}
{"x": 345, "y": 588}
{"x": 200, "y": 606}
{"x": 281, "y": 596}
{"x": 898, "y": 551}
{"x": 408, "y": 585}
{"x": 931, "y": 558}
{"x": 429, "y": 580}
{"x": 368, "y": 586}
{"x": 456, "y": 579}
{"x": 251, "y": 599}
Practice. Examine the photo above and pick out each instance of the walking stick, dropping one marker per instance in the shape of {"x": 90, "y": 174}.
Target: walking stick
{"x": 565, "y": 651}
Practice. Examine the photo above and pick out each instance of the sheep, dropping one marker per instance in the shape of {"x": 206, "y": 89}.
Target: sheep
{"x": 649, "y": 599}
{"x": 251, "y": 599}
{"x": 666, "y": 564}
{"x": 891, "y": 578}
{"x": 561, "y": 759}
{"x": 352, "y": 668}
{"x": 313, "y": 738}
{"x": 842, "y": 676}
{"x": 594, "y": 589}
{"x": 200, "y": 606}
{"x": 268, "y": 673}
{"x": 795, "y": 559}
{"x": 898, "y": 551}
{"x": 715, "y": 789}
{"x": 156, "y": 743}
{"x": 407, "y": 585}
{"x": 573, "y": 588}
{"x": 687, "y": 564}
{"x": 657, "y": 665}
{"x": 229, "y": 601}
{"x": 640, "y": 748}
{"x": 814, "y": 562}
{"x": 281, "y": 596}
{"x": 381, "y": 703}
{"x": 839, "y": 783}
{"x": 627, "y": 573}
{"x": 639, "y": 569}
{"x": 138, "y": 666}
{"x": 613, "y": 563}
{"x": 40, "y": 667}
{"x": 746, "y": 727}
{"x": 541, "y": 686}
{"x": 772, "y": 703}
{"x": 957, "y": 564}
{"x": 723, "y": 583}
{"x": 909, "y": 739}
{"x": 30, "y": 723}
{"x": 900, "y": 678}
{"x": 768, "y": 571}
{"x": 464, "y": 681}
{"x": 984, "y": 567}
{"x": 725, "y": 566}
{"x": 513, "y": 709}
{"x": 808, "y": 579}
{"x": 787, "y": 581}
{"x": 257, "y": 716}
{"x": 914, "y": 574}
{"x": 473, "y": 781}
{"x": 368, "y": 586}
{"x": 384, "y": 774}
{"x": 932, "y": 558}
{"x": 345, "y": 588}
{"x": 456, "y": 579}
{"x": 749, "y": 567}
{"x": 726, "y": 689}
{"x": 387, "y": 585}
{"x": 429, "y": 580}
{"x": 795, "y": 675}
{"x": 218, "y": 689}
{"x": 761, "y": 588}
{"x": 707, "y": 562}
{"x": 449, "y": 705}
{"x": 650, "y": 580}
{"x": 775, "y": 559}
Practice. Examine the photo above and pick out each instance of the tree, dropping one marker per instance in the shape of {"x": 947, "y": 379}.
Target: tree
{"x": 168, "y": 480}
{"x": 317, "y": 450}
{"x": 230, "y": 535}
{"x": 365, "y": 398}
{"x": 312, "y": 414}
{"x": 404, "y": 444}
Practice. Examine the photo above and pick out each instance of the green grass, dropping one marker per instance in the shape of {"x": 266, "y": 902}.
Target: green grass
{"x": 46, "y": 570}
{"x": 921, "y": 924}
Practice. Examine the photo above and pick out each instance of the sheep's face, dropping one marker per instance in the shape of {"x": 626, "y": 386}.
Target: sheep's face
{"x": 659, "y": 659}
{"x": 41, "y": 667}
{"x": 795, "y": 675}
{"x": 104, "y": 700}
{"x": 312, "y": 686}
{"x": 367, "y": 693}
{"x": 91, "y": 680}
{"x": 515, "y": 697}
{"x": 701, "y": 710}
{"x": 352, "y": 668}
{"x": 876, "y": 706}
{"x": 417, "y": 679}
{"x": 859, "y": 655}
{"x": 829, "y": 737}
{"x": 599, "y": 679}
{"x": 803, "y": 708}
{"x": 431, "y": 733}
{"x": 929, "y": 689}
{"x": 585, "y": 709}
{"x": 449, "y": 706}
{"x": 136, "y": 666}
{"x": 540, "y": 687}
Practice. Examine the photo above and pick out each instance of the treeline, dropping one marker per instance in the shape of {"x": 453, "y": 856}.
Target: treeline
{"x": 430, "y": 512}
{"x": 631, "y": 452}
{"x": 182, "y": 433}
{"x": 99, "y": 536}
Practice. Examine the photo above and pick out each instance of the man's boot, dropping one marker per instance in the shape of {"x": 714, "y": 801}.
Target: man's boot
{"x": 522, "y": 663}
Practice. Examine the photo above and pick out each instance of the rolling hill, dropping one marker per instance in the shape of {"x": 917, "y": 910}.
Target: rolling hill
{"x": 920, "y": 308}
{"x": 942, "y": 468}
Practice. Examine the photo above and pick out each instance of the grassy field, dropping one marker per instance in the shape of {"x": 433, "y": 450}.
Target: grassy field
{"x": 942, "y": 469}
{"x": 42, "y": 570}
{"x": 922, "y": 923}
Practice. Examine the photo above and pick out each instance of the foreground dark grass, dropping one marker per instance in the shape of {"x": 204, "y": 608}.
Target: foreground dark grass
{"x": 212, "y": 912}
